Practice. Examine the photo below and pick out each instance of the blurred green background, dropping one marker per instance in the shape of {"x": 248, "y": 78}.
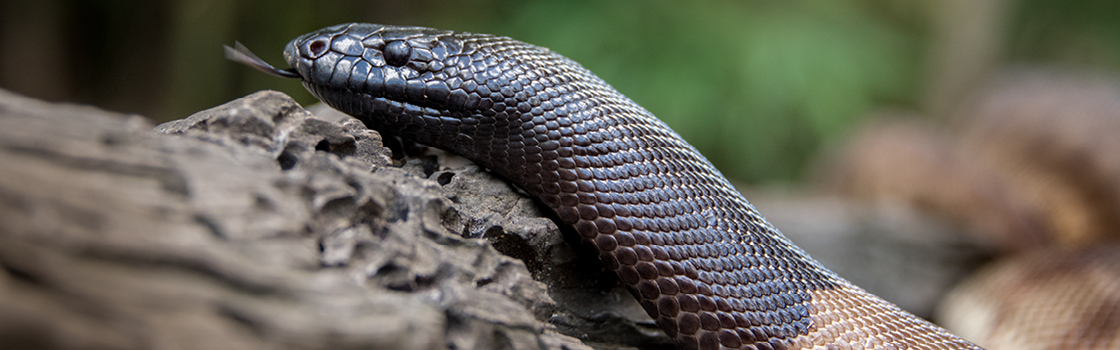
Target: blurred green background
{"x": 760, "y": 87}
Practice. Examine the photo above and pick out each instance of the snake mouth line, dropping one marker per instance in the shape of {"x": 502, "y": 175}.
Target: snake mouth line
{"x": 240, "y": 53}
{"x": 365, "y": 106}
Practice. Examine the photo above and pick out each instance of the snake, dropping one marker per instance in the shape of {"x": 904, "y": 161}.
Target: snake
{"x": 702, "y": 262}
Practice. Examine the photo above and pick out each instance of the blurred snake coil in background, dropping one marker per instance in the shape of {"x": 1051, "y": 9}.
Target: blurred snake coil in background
{"x": 999, "y": 117}
{"x": 1030, "y": 168}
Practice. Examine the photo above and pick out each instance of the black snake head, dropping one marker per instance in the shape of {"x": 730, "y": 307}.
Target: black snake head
{"x": 453, "y": 90}
{"x": 402, "y": 64}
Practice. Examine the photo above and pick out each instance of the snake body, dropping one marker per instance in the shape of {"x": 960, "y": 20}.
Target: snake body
{"x": 700, "y": 259}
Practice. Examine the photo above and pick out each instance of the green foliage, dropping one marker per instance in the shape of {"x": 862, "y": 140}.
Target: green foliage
{"x": 1077, "y": 33}
{"x": 757, "y": 86}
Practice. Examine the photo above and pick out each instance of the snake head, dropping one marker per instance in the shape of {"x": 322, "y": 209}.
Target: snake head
{"x": 404, "y": 64}
{"x": 455, "y": 90}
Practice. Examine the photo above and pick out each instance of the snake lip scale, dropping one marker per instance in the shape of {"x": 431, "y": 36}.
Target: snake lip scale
{"x": 700, "y": 259}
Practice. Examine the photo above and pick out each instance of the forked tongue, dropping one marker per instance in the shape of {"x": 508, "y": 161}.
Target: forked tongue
{"x": 240, "y": 53}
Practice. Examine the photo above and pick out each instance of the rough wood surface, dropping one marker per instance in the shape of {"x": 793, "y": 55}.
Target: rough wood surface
{"x": 260, "y": 225}
{"x": 234, "y": 232}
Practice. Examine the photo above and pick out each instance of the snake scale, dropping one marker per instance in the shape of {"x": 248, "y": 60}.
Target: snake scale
{"x": 700, "y": 259}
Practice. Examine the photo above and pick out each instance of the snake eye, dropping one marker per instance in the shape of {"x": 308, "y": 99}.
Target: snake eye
{"x": 317, "y": 47}
{"x": 397, "y": 53}
{"x": 314, "y": 48}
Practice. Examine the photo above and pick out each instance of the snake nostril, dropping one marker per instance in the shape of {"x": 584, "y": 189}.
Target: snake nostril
{"x": 317, "y": 47}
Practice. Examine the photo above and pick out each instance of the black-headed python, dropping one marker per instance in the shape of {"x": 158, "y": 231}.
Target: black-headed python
{"x": 700, "y": 259}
